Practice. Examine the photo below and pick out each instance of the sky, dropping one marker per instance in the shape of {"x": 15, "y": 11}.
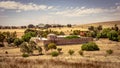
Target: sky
{"x": 24, "y": 12}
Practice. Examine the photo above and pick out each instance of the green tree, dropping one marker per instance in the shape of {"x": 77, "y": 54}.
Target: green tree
{"x": 2, "y": 37}
{"x": 104, "y": 32}
{"x": 25, "y": 48}
{"x": 27, "y": 36}
{"x": 18, "y": 42}
{"x": 115, "y": 27}
{"x": 99, "y": 27}
{"x": 10, "y": 40}
{"x": 32, "y": 45}
{"x": 91, "y": 28}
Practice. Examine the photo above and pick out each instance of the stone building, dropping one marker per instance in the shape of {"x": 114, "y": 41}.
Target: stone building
{"x": 61, "y": 40}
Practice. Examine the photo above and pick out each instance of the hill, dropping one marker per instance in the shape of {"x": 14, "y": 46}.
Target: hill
{"x": 104, "y": 24}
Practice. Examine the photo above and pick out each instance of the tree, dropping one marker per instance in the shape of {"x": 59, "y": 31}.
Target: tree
{"x": 76, "y": 32}
{"x": 69, "y": 25}
{"x": 52, "y": 46}
{"x": 98, "y": 35}
{"x": 30, "y": 30}
{"x": 115, "y": 27}
{"x": 91, "y": 28}
{"x": 99, "y": 27}
{"x": 104, "y": 32}
{"x": 32, "y": 45}
{"x": 2, "y": 37}
{"x": 18, "y": 42}
{"x": 24, "y": 48}
{"x": 10, "y": 40}
{"x": 31, "y": 26}
{"x": 61, "y": 33}
{"x": 26, "y": 37}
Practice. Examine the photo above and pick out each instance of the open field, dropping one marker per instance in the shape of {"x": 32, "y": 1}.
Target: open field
{"x": 91, "y": 59}
{"x": 96, "y": 59}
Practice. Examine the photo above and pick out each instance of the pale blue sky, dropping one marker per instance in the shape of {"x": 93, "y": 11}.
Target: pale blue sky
{"x": 24, "y": 12}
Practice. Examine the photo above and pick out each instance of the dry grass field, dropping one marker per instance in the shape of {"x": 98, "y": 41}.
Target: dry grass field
{"x": 104, "y": 24}
{"x": 91, "y": 59}
{"x": 19, "y": 32}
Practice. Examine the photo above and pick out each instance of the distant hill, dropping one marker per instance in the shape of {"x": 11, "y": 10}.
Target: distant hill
{"x": 104, "y": 24}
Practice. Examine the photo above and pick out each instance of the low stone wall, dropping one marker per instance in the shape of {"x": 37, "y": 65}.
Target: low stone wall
{"x": 73, "y": 41}
{"x": 64, "y": 41}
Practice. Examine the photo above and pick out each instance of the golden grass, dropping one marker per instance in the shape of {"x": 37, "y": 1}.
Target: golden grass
{"x": 55, "y": 63}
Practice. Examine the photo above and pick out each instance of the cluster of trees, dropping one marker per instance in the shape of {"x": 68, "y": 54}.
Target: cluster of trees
{"x": 7, "y": 37}
{"x": 11, "y": 37}
{"x": 111, "y": 33}
{"x": 35, "y": 26}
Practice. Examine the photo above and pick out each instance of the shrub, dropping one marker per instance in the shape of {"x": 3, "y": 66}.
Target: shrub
{"x": 119, "y": 38}
{"x": 71, "y": 52}
{"x": 80, "y": 52}
{"x": 91, "y": 46}
{"x": 59, "y": 49}
{"x": 24, "y": 48}
{"x": 39, "y": 50}
{"x": 18, "y": 41}
{"x": 1, "y": 45}
{"x": 113, "y": 35}
{"x": 6, "y": 52}
{"x": 25, "y": 55}
{"x": 54, "y": 53}
{"x": 109, "y": 51}
{"x": 10, "y": 40}
{"x": 72, "y": 37}
{"x": 52, "y": 46}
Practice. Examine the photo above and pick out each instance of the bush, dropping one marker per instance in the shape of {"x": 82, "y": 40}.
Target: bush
{"x": 25, "y": 55}
{"x": 109, "y": 51}
{"x": 72, "y": 37}
{"x": 71, "y": 52}
{"x": 91, "y": 46}
{"x": 52, "y": 46}
{"x": 54, "y": 53}
{"x": 6, "y": 52}
{"x": 1, "y": 45}
{"x": 59, "y": 49}
{"x": 39, "y": 50}
{"x": 80, "y": 52}
{"x": 119, "y": 38}
{"x": 113, "y": 35}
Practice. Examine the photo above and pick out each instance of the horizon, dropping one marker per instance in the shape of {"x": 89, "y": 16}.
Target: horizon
{"x": 20, "y": 12}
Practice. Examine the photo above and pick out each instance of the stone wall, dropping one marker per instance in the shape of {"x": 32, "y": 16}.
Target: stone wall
{"x": 73, "y": 41}
{"x": 63, "y": 41}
